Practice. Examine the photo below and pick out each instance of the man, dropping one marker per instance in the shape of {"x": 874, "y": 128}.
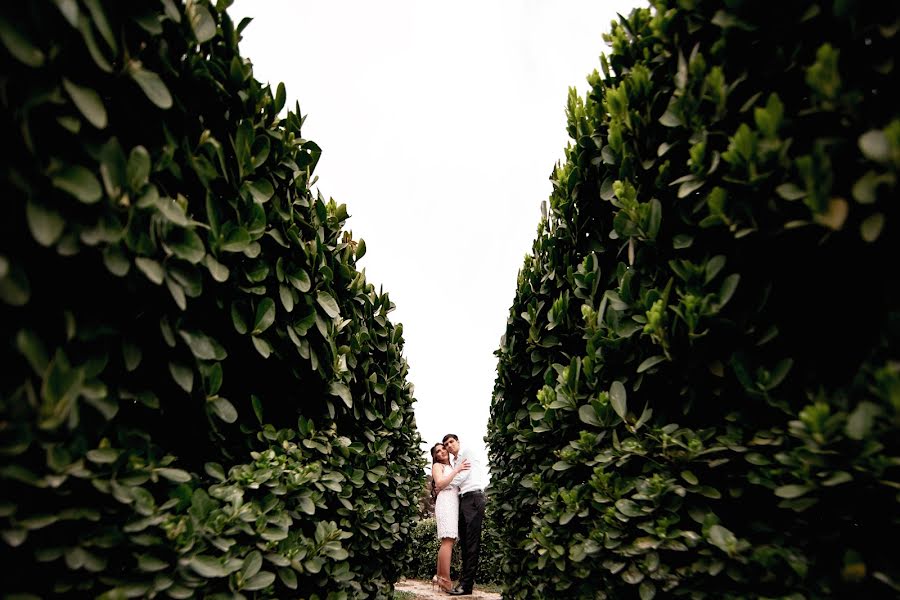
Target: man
{"x": 471, "y": 513}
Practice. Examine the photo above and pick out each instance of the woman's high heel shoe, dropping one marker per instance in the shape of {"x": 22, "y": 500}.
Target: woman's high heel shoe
{"x": 444, "y": 584}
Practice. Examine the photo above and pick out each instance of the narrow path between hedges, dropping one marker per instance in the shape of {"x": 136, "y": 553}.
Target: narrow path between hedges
{"x": 422, "y": 591}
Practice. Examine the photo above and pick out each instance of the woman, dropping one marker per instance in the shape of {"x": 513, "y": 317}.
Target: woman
{"x": 446, "y": 510}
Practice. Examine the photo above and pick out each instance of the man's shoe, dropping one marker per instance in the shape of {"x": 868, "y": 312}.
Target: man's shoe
{"x": 460, "y": 591}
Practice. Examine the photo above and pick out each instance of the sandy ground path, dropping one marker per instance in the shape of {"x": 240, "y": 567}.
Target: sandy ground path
{"x": 423, "y": 591}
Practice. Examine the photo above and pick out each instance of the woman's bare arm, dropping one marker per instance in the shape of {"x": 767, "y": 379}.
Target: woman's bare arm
{"x": 443, "y": 475}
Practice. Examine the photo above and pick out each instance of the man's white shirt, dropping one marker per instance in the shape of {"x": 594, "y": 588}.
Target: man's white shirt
{"x": 471, "y": 479}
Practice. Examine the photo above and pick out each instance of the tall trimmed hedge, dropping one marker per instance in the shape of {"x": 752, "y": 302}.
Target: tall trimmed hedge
{"x": 698, "y": 391}
{"x": 201, "y": 395}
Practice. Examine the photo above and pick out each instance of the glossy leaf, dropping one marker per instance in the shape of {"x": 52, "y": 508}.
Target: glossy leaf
{"x": 79, "y": 182}
{"x": 46, "y": 224}
{"x": 265, "y": 315}
{"x": 153, "y": 87}
{"x": 88, "y": 103}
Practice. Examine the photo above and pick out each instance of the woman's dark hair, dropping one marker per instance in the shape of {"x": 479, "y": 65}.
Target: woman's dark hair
{"x": 434, "y": 460}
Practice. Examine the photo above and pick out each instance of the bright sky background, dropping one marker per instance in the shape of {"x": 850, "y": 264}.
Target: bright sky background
{"x": 440, "y": 123}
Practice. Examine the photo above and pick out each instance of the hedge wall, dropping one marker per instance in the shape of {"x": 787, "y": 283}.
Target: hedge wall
{"x": 698, "y": 391}
{"x": 201, "y": 395}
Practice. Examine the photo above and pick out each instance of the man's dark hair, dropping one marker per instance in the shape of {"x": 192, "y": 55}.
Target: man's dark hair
{"x": 448, "y": 436}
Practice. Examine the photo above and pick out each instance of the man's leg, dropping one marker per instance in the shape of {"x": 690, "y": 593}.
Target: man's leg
{"x": 462, "y": 536}
{"x": 473, "y": 512}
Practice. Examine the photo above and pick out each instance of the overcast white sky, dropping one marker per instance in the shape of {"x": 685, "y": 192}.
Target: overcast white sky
{"x": 440, "y": 123}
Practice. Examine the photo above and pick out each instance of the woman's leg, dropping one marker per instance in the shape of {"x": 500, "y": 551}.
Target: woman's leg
{"x": 443, "y": 563}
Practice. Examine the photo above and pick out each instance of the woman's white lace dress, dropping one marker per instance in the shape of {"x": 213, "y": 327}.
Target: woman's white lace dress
{"x": 446, "y": 512}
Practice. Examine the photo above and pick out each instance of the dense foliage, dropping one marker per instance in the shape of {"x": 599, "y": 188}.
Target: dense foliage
{"x": 698, "y": 391}
{"x": 201, "y": 395}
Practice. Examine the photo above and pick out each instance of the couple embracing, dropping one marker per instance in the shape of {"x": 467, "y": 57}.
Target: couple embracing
{"x": 457, "y": 484}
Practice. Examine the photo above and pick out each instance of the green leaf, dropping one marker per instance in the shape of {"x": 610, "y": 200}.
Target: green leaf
{"x": 183, "y": 376}
{"x": 647, "y": 590}
{"x": 360, "y": 249}
{"x": 690, "y": 477}
{"x": 215, "y": 471}
{"x": 838, "y": 478}
{"x": 288, "y": 577}
{"x": 792, "y": 491}
{"x": 588, "y": 415}
{"x": 174, "y": 475}
{"x": 265, "y": 315}
{"x": 261, "y": 190}
{"x": 186, "y": 244}
{"x": 115, "y": 260}
{"x": 224, "y": 409}
{"x": 280, "y": 97}
{"x": 262, "y": 346}
{"x": 259, "y": 581}
{"x": 88, "y": 103}
{"x": 14, "y": 537}
{"x": 726, "y": 291}
{"x": 713, "y": 267}
{"x": 202, "y": 22}
{"x": 236, "y": 240}
{"x": 150, "y": 564}
{"x": 32, "y": 348}
{"x": 287, "y": 298}
{"x": 240, "y": 324}
{"x": 257, "y": 408}
{"x": 341, "y": 390}
{"x": 19, "y": 45}
{"x": 153, "y": 87}
{"x": 650, "y": 362}
{"x": 177, "y": 292}
{"x": 38, "y": 521}
{"x": 252, "y": 564}
{"x": 655, "y": 218}
{"x": 722, "y": 538}
{"x": 152, "y": 269}
{"x": 131, "y": 354}
{"x": 686, "y": 188}
{"x": 102, "y": 23}
{"x": 860, "y": 421}
{"x": 172, "y": 11}
{"x": 870, "y": 228}
{"x": 79, "y": 182}
{"x": 213, "y": 377}
{"x": 617, "y": 397}
{"x": 138, "y": 169}
{"x": 306, "y": 505}
{"x": 779, "y": 373}
{"x": 682, "y": 240}
{"x": 207, "y": 566}
{"x": 628, "y": 508}
{"x": 300, "y": 280}
{"x": 328, "y": 304}
{"x": 218, "y": 271}
{"x": 103, "y": 456}
{"x": 87, "y": 34}
{"x": 790, "y": 191}
{"x": 875, "y": 146}
{"x": 172, "y": 211}
{"x": 670, "y": 118}
{"x": 203, "y": 346}
{"x": 62, "y": 384}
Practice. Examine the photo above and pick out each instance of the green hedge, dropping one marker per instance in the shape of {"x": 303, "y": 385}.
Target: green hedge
{"x": 421, "y": 555}
{"x": 698, "y": 391}
{"x": 201, "y": 395}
